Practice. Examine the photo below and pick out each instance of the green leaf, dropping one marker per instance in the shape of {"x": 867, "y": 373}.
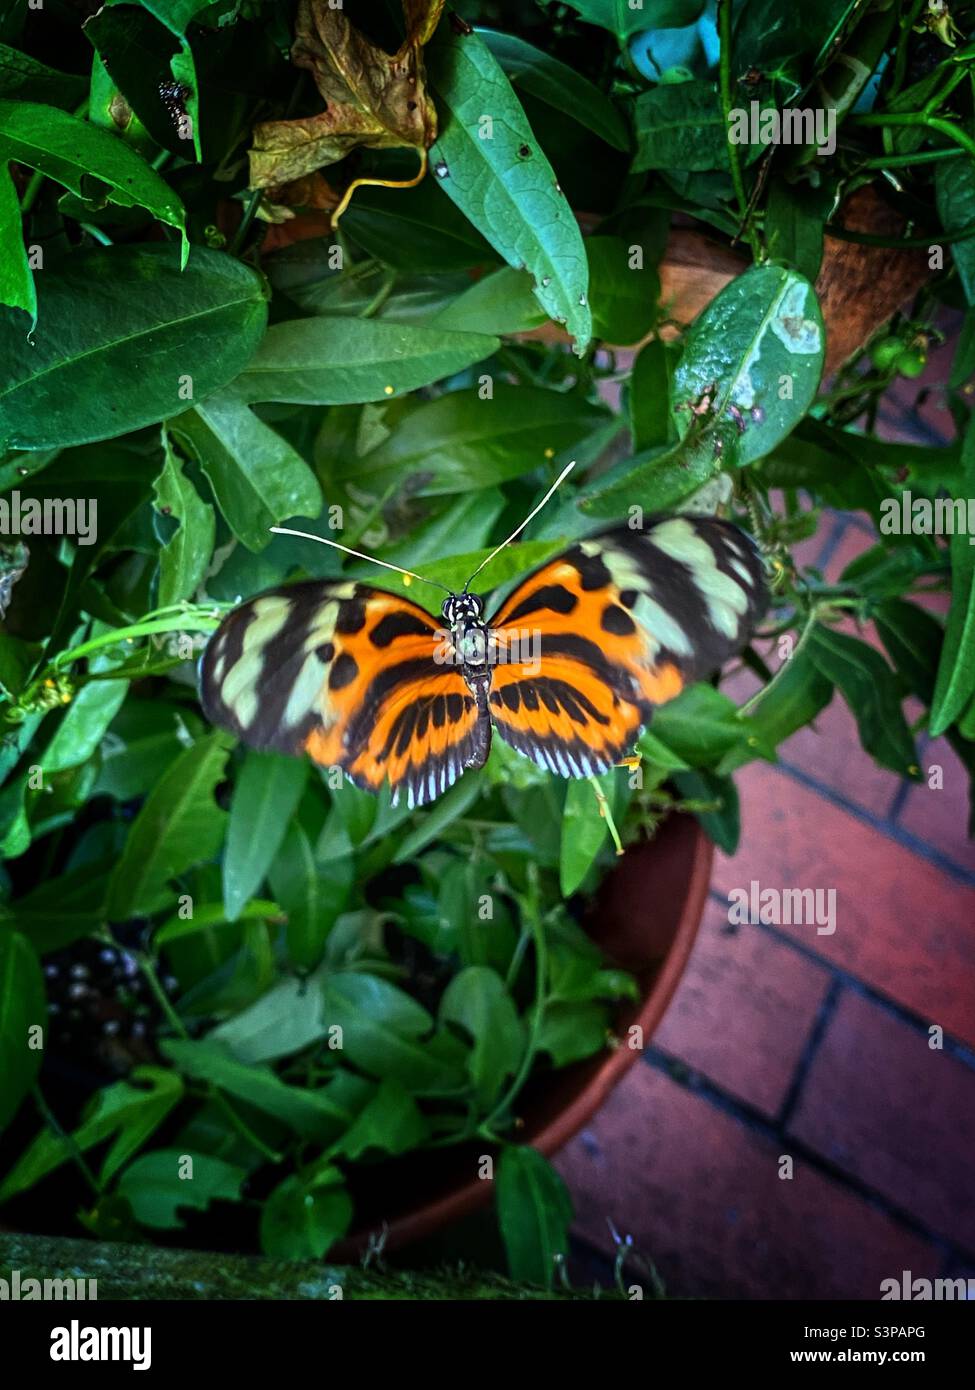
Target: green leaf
{"x": 623, "y": 296}
{"x": 389, "y": 1123}
{"x": 701, "y": 725}
{"x": 179, "y": 826}
{"x": 414, "y": 230}
{"x": 534, "y": 1212}
{"x": 479, "y": 1002}
{"x": 159, "y": 1184}
{"x": 793, "y": 699}
{"x": 502, "y": 180}
{"x": 913, "y": 639}
{"x": 303, "y": 1220}
{"x": 584, "y": 831}
{"x": 22, "y": 1008}
{"x": 337, "y": 360}
{"x": 265, "y": 798}
{"x": 956, "y": 668}
{"x": 16, "y": 280}
{"x": 794, "y": 220}
{"x": 454, "y": 804}
{"x": 287, "y": 1019}
{"x": 126, "y": 1110}
{"x": 258, "y": 479}
{"x": 657, "y": 479}
{"x": 101, "y": 311}
{"x": 312, "y": 895}
{"x": 623, "y": 18}
{"x": 571, "y": 1031}
{"x": 501, "y": 303}
{"x": 680, "y": 126}
{"x": 72, "y": 152}
{"x": 559, "y": 86}
{"x": 723, "y": 824}
{"x": 762, "y": 336}
{"x": 84, "y": 725}
{"x": 185, "y": 557}
{"x": 649, "y": 397}
{"x": 23, "y": 78}
{"x": 869, "y": 688}
{"x": 382, "y": 1032}
{"x": 954, "y": 185}
{"x": 120, "y": 42}
{"x": 310, "y": 1113}
{"x": 142, "y": 741}
{"x": 459, "y": 436}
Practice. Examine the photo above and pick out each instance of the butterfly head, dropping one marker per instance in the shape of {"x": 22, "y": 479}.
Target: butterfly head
{"x": 459, "y": 610}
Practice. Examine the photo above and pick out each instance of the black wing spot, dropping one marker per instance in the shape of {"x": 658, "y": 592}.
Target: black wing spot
{"x": 455, "y": 708}
{"x": 395, "y": 625}
{"x": 617, "y": 621}
{"x": 593, "y": 570}
{"x": 628, "y": 598}
{"x": 556, "y": 598}
{"x": 351, "y": 616}
{"x": 325, "y": 652}
{"x": 439, "y": 712}
{"x": 511, "y": 697}
{"x": 344, "y": 671}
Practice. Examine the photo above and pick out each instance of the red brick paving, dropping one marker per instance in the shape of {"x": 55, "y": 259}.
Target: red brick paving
{"x": 904, "y": 926}
{"x": 939, "y": 816}
{"x": 744, "y": 1011}
{"x": 701, "y": 1195}
{"x": 780, "y": 1040}
{"x": 882, "y": 1104}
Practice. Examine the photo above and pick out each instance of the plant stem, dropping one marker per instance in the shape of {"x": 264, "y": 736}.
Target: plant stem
{"x": 918, "y": 118}
{"x": 148, "y": 967}
{"x": 724, "y": 78}
{"x": 907, "y": 161}
{"x": 486, "y": 1128}
{"x": 250, "y": 212}
{"x": 52, "y": 1122}
{"x": 188, "y": 622}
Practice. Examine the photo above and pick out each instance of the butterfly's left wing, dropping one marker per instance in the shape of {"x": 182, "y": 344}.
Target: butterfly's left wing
{"x": 623, "y": 621}
{"x": 347, "y": 674}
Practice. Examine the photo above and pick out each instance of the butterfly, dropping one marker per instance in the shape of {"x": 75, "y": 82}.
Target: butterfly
{"x": 567, "y": 671}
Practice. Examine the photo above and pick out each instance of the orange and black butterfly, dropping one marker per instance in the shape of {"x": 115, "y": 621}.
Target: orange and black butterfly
{"x": 568, "y": 670}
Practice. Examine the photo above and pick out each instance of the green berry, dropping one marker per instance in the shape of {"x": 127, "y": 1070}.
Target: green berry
{"x": 885, "y": 353}
{"x": 911, "y": 362}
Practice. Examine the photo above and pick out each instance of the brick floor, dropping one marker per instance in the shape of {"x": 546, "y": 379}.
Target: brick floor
{"x": 781, "y": 1041}
{"x": 699, "y": 1191}
{"x": 882, "y": 1104}
{"x": 744, "y": 1010}
{"x": 903, "y": 926}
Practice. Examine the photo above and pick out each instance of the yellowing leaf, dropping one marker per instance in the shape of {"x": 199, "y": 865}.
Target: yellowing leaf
{"x": 374, "y": 98}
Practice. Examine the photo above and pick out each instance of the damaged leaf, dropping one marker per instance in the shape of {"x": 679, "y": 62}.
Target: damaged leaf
{"x": 374, "y": 98}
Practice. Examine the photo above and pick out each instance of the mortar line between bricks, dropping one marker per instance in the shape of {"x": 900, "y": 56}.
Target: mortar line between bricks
{"x": 752, "y": 1119}
{"x": 897, "y": 833}
{"x": 810, "y": 1048}
{"x": 954, "y": 1047}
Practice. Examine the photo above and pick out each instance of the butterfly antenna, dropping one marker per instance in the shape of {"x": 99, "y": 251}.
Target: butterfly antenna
{"x": 307, "y": 536}
{"x": 518, "y": 529}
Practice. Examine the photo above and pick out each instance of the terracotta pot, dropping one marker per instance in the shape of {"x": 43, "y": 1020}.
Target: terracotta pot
{"x": 646, "y": 918}
{"x": 859, "y": 287}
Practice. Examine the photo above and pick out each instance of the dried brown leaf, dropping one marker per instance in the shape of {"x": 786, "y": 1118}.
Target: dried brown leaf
{"x": 374, "y": 99}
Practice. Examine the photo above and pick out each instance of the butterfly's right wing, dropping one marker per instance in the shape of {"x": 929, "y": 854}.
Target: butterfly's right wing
{"x": 347, "y": 674}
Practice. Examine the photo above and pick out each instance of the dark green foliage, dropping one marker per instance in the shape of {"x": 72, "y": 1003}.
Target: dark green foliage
{"x": 327, "y": 981}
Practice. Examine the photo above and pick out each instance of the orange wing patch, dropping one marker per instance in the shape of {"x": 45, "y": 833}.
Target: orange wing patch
{"x": 594, "y": 639}
{"x": 347, "y": 674}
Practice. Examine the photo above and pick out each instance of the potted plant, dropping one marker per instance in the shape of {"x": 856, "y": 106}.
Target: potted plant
{"x": 381, "y": 276}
